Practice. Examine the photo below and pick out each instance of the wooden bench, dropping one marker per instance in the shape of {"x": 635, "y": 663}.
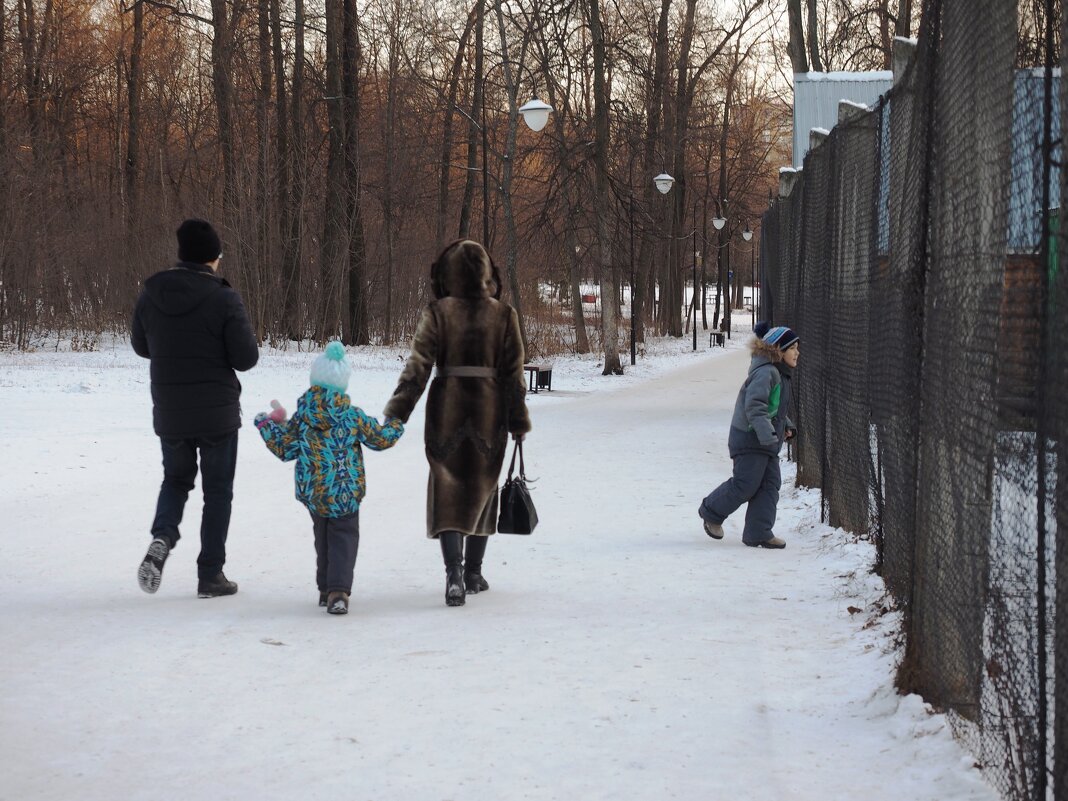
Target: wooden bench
{"x": 717, "y": 338}
{"x": 539, "y": 376}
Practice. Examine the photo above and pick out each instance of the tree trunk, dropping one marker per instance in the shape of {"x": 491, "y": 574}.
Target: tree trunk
{"x": 722, "y": 236}
{"x": 446, "y": 136}
{"x": 222, "y": 83}
{"x": 814, "y": 37}
{"x": 473, "y": 130}
{"x": 284, "y": 159}
{"x": 683, "y": 99}
{"x": 335, "y": 246}
{"x": 603, "y": 198}
{"x": 358, "y": 326}
{"x": 264, "y": 201}
{"x": 578, "y": 319}
{"x": 885, "y": 41}
{"x": 796, "y": 47}
{"x": 904, "y": 19}
{"x": 133, "y": 118}
{"x": 558, "y": 100}
{"x": 388, "y": 211}
{"x": 507, "y": 174}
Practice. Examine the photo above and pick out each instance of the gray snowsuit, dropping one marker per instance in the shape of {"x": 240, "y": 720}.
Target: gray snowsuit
{"x": 758, "y": 429}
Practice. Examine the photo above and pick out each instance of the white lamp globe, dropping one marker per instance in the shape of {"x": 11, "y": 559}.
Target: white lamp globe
{"x": 719, "y": 222}
{"x": 747, "y": 234}
{"x": 664, "y": 182}
{"x": 535, "y": 114}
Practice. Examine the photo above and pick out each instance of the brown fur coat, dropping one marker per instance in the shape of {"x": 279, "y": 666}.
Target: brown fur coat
{"x": 468, "y": 419}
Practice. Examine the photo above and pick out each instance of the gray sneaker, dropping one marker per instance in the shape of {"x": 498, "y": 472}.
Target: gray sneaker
{"x": 774, "y": 542}
{"x": 150, "y": 572}
{"x": 714, "y": 530}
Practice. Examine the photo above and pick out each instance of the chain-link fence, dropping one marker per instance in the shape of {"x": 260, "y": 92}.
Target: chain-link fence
{"x": 917, "y": 254}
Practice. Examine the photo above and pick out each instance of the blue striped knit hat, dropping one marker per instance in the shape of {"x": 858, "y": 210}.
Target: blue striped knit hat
{"x": 780, "y": 336}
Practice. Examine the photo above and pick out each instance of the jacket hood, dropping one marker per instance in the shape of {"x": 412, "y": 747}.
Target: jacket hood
{"x": 758, "y": 361}
{"x": 182, "y": 288}
{"x": 463, "y": 271}
{"x": 770, "y": 353}
{"x": 323, "y": 408}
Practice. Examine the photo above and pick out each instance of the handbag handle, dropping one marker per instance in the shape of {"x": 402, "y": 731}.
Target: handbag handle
{"x": 522, "y": 468}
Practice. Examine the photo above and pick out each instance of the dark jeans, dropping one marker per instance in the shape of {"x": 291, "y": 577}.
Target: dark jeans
{"x": 218, "y": 459}
{"x": 756, "y": 481}
{"x": 337, "y": 541}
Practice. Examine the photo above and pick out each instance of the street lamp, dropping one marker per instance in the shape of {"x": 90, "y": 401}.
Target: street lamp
{"x": 664, "y": 182}
{"x": 535, "y": 114}
{"x": 747, "y": 235}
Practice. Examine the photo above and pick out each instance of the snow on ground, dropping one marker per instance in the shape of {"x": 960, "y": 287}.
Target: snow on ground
{"x": 620, "y": 654}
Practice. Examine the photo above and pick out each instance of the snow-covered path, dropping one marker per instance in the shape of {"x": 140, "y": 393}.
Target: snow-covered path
{"x": 620, "y": 654}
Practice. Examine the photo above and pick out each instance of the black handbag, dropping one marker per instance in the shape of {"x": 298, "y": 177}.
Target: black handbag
{"x": 518, "y": 515}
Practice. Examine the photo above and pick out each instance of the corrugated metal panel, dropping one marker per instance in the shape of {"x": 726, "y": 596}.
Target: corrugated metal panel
{"x": 1025, "y": 196}
{"x": 816, "y": 96}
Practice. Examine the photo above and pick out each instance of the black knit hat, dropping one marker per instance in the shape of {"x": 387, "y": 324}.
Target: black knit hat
{"x": 198, "y": 242}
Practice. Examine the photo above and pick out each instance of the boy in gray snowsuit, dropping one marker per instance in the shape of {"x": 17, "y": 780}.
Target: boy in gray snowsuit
{"x": 758, "y": 429}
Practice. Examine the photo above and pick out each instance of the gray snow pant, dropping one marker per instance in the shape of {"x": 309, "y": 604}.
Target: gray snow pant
{"x": 337, "y": 539}
{"x": 756, "y": 481}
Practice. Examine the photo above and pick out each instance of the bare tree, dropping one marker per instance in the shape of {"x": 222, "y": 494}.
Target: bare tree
{"x": 609, "y": 321}
{"x": 813, "y": 37}
{"x": 357, "y": 329}
{"x": 796, "y": 49}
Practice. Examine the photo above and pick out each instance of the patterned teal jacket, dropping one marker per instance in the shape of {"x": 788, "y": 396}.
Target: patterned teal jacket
{"x": 324, "y": 436}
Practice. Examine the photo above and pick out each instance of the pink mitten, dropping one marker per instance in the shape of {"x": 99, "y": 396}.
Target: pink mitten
{"x": 278, "y": 414}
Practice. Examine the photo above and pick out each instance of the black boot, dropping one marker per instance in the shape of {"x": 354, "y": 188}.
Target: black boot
{"x": 452, "y": 550}
{"x": 474, "y": 550}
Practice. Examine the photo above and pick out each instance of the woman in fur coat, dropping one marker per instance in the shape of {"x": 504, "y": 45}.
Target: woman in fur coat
{"x": 759, "y": 427}
{"x": 477, "y": 398}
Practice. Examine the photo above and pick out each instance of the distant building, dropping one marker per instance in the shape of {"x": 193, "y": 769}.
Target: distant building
{"x": 816, "y": 96}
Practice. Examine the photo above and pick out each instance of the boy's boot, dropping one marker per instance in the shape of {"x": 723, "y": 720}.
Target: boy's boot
{"x": 774, "y": 542}
{"x": 216, "y": 586}
{"x": 322, "y": 599}
{"x": 452, "y": 551}
{"x": 150, "y": 572}
{"x": 338, "y": 603}
{"x": 474, "y": 550}
{"x": 714, "y": 530}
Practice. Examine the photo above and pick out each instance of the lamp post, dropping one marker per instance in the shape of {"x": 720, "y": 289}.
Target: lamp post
{"x": 535, "y": 114}
{"x": 633, "y": 344}
{"x": 694, "y": 299}
{"x": 747, "y": 235}
{"x": 718, "y": 222}
{"x": 663, "y": 183}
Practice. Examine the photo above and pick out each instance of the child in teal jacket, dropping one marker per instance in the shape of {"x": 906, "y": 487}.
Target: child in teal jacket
{"x": 324, "y": 437}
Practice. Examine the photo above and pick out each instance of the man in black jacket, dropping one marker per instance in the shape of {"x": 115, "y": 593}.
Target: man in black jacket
{"x": 194, "y": 328}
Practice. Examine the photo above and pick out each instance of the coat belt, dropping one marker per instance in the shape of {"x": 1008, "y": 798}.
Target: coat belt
{"x": 467, "y": 372}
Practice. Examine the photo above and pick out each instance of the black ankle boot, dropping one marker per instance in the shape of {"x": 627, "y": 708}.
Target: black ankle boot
{"x": 452, "y": 551}
{"x": 474, "y": 551}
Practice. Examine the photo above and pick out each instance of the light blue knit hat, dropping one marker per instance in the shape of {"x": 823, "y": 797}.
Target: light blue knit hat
{"x": 331, "y": 370}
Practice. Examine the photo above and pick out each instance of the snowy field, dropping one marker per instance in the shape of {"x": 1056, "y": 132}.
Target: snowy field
{"x": 620, "y": 654}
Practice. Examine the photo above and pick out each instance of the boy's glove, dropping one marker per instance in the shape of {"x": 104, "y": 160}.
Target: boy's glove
{"x": 278, "y": 414}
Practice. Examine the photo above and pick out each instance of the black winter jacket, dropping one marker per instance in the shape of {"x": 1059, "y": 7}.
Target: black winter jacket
{"x": 194, "y": 328}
